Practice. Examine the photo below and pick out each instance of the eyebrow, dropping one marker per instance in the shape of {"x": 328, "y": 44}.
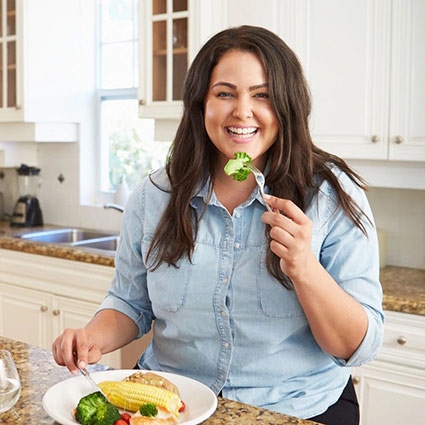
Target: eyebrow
{"x": 234, "y": 87}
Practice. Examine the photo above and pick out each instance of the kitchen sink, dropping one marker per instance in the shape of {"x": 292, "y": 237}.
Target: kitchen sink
{"x": 105, "y": 244}
{"x": 62, "y": 235}
{"x": 75, "y": 237}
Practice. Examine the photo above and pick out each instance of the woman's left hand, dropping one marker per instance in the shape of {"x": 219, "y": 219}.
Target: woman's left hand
{"x": 291, "y": 238}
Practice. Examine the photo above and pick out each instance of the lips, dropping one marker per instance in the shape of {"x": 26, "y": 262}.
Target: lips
{"x": 242, "y": 132}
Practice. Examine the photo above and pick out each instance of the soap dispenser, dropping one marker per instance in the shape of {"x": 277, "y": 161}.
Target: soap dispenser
{"x": 122, "y": 193}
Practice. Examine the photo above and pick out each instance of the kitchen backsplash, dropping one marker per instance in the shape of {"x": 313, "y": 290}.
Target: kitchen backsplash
{"x": 399, "y": 213}
{"x": 9, "y": 188}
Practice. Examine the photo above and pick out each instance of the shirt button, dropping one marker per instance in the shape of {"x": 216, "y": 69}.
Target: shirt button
{"x": 237, "y": 215}
{"x": 223, "y": 314}
{"x": 237, "y": 245}
{"x": 225, "y": 280}
{"x": 226, "y": 345}
{"x": 222, "y": 376}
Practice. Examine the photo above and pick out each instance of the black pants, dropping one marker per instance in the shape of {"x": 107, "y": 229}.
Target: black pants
{"x": 344, "y": 412}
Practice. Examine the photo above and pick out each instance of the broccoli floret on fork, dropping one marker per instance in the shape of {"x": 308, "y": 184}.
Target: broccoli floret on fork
{"x": 237, "y": 167}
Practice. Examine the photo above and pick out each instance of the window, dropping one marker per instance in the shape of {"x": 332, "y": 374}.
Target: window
{"x": 126, "y": 141}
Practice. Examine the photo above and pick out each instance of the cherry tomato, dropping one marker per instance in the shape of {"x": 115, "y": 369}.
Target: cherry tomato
{"x": 74, "y": 411}
{"x": 126, "y": 417}
{"x": 120, "y": 422}
{"x": 182, "y": 407}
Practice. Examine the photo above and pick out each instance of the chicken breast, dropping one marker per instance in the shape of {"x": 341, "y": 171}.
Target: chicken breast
{"x": 150, "y": 378}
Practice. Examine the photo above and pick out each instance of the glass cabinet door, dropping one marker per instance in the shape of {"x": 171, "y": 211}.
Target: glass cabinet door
{"x": 169, "y": 48}
{"x": 8, "y": 55}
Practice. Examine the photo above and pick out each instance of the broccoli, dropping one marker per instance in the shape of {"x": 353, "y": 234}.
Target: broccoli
{"x": 237, "y": 167}
{"x": 148, "y": 409}
{"x": 95, "y": 409}
{"x": 87, "y": 407}
{"x": 106, "y": 414}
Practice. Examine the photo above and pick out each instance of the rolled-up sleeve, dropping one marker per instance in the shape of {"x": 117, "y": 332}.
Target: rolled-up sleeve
{"x": 128, "y": 290}
{"x": 352, "y": 259}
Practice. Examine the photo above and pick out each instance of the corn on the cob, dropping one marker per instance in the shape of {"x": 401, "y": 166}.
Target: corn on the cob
{"x": 131, "y": 395}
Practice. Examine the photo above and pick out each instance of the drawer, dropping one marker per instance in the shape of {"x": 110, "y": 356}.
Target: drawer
{"x": 404, "y": 339}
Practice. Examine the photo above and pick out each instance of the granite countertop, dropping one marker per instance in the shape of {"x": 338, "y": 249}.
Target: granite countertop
{"x": 38, "y": 372}
{"x": 67, "y": 252}
{"x": 404, "y": 288}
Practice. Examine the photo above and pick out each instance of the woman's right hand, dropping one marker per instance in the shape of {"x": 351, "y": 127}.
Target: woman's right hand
{"x": 75, "y": 346}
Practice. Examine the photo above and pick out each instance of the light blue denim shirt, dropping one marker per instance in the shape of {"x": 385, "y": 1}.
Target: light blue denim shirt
{"x": 224, "y": 320}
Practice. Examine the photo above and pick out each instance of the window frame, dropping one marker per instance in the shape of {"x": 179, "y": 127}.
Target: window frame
{"x": 101, "y": 94}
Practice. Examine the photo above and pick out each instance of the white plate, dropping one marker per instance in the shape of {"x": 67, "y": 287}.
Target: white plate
{"x": 61, "y": 399}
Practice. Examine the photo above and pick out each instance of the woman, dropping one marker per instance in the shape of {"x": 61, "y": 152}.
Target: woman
{"x": 268, "y": 308}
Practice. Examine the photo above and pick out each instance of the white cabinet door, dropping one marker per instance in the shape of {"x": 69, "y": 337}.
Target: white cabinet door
{"x": 407, "y": 115}
{"x": 346, "y": 58}
{"x": 25, "y": 315}
{"x": 390, "y": 395}
{"x": 365, "y": 63}
{"x": 74, "y": 314}
{"x": 391, "y": 389}
{"x": 44, "y": 49}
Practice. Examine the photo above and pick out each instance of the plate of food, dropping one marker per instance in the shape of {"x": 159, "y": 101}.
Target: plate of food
{"x": 137, "y": 398}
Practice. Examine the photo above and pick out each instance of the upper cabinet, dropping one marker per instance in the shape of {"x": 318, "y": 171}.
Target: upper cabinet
{"x": 8, "y": 56}
{"x": 365, "y": 62}
{"x": 40, "y": 68}
{"x": 407, "y": 106}
{"x": 173, "y": 31}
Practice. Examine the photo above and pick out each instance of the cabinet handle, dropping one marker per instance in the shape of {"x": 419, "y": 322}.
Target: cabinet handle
{"x": 401, "y": 340}
{"x": 43, "y": 308}
{"x": 375, "y": 139}
{"x": 142, "y": 102}
{"x": 398, "y": 140}
{"x": 56, "y": 312}
{"x": 356, "y": 380}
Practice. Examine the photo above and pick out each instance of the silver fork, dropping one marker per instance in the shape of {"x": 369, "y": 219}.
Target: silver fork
{"x": 259, "y": 178}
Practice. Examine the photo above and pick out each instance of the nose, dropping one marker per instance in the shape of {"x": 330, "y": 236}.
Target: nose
{"x": 243, "y": 108}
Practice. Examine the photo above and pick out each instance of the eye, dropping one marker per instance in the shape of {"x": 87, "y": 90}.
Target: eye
{"x": 224, "y": 94}
{"x": 262, "y": 95}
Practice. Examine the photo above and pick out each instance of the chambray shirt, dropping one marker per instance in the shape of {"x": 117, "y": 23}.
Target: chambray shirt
{"x": 224, "y": 320}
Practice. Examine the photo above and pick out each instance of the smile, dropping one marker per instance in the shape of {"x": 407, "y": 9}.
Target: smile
{"x": 243, "y": 133}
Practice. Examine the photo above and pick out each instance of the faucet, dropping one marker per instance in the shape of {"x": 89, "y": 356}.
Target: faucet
{"x": 117, "y": 207}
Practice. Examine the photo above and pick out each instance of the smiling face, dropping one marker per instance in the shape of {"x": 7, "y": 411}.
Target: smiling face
{"x": 238, "y": 113}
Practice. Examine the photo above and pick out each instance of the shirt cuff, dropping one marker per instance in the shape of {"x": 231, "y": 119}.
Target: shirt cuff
{"x": 114, "y": 303}
{"x": 369, "y": 347}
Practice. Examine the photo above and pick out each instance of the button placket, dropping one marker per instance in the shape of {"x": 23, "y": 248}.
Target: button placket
{"x": 222, "y": 316}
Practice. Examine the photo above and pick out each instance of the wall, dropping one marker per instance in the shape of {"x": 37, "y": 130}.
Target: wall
{"x": 400, "y": 213}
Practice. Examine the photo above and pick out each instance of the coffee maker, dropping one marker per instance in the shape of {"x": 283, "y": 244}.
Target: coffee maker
{"x": 27, "y": 211}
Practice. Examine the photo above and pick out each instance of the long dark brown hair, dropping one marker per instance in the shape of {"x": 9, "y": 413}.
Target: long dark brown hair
{"x": 293, "y": 158}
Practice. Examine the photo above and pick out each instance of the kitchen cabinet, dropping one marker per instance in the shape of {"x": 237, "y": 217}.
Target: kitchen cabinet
{"x": 41, "y": 296}
{"x": 40, "y": 69}
{"x": 391, "y": 389}
{"x": 173, "y": 31}
{"x": 8, "y": 55}
{"x": 365, "y": 62}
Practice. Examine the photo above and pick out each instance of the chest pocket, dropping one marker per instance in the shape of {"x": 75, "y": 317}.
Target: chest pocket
{"x": 167, "y": 285}
{"x": 274, "y": 299}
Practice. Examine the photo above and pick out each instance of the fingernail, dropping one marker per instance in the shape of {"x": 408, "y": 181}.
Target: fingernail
{"x": 267, "y": 196}
{"x": 74, "y": 372}
{"x": 81, "y": 364}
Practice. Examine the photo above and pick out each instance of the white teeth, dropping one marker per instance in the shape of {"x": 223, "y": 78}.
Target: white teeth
{"x": 245, "y": 131}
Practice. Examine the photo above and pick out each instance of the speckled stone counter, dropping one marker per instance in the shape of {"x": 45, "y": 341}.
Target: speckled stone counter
{"x": 38, "y": 372}
{"x": 404, "y": 288}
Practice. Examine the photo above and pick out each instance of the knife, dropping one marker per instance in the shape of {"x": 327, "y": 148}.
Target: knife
{"x": 86, "y": 374}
